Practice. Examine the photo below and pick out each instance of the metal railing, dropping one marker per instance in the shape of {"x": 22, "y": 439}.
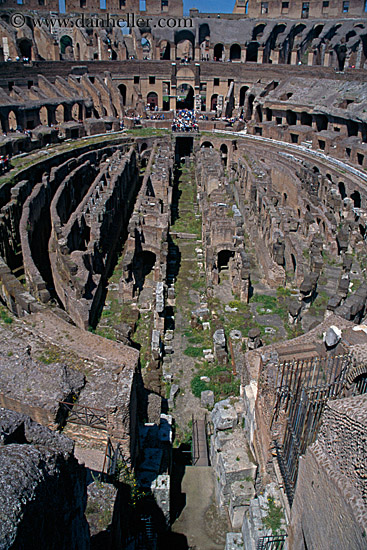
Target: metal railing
{"x": 195, "y": 441}
{"x": 272, "y": 542}
{"x": 85, "y": 416}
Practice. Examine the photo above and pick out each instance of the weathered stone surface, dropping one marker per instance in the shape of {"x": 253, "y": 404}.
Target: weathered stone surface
{"x": 332, "y": 336}
{"x": 207, "y": 398}
{"x": 224, "y": 415}
{"x": 39, "y": 472}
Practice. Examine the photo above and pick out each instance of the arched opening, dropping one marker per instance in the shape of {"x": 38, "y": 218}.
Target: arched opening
{"x": 25, "y": 48}
{"x": 341, "y": 52}
{"x": 113, "y": 54}
{"x": 285, "y": 197}
{"x": 143, "y": 147}
{"x": 214, "y": 102}
{"x": 152, "y": 101}
{"x": 362, "y": 230}
{"x": 60, "y": 114}
{"x": 291, "y": 118}
{"x": 165, "y": 50}
{"x": 75, "y": 112}
{"x": 12, "y": 121}
{"x": 206, "y": 145}
{"x": 306, "y": 119}
{"x": 243, "y": 91}
{"x": 269, "y": 114}
{"x": 77, "y": 51}
{"x": 252, "y": 52}
{"x": 321, "y": 122}
{"x": 185, "y": 97}
{"x": 342, "y": 190}
{"x": 146, "y": 47}
{"x": 66, "y": 47}
{"x": 218, "y": 52}
{"x": 122, "y": 90}
{"x": 235, "y": 52}
{"x": 356, "y": 198}
{"x": 223, "y": 259}
{"x": 185, "y": 43}
{"x": 44, "y": 115}
{"x": 204, "y": 32}
{"x": 258, "y": 31}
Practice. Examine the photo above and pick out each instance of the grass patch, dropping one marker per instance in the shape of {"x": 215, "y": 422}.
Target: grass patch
{"x": 222, "y": 382}
{"x": 275, "y": 304}
{"x": 319, "y": 305}
{"x": 273, "y": 519}
{"x": 4, "y": 315}
{"x": 50, "y": 355}
{"x": 192, "y": 351}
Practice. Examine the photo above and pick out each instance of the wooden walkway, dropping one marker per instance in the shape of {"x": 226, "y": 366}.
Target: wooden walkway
{"x": 200, "y": 456}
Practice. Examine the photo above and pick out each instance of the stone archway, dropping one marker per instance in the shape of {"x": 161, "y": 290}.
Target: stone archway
{"x": 25, "y": 47}
{"x": 235, "y": 52}
{"x": 218, "y": 52}
{"x": 12, "y": 121}
{"x": 60, "y": 114}
{"x": 152, "y": 100}
{"x": 185, "y": 96}
{"x": 66, "y": 47}
{"x": 44, "y": 116}
{"x": 185, "y": 45}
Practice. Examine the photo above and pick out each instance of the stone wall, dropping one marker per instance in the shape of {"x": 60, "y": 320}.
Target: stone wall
{"x": 222, "y": 224}
{"x": 43, "y": 488}
{"x": 331, "y": 482}
{"x": 83, "y": 243}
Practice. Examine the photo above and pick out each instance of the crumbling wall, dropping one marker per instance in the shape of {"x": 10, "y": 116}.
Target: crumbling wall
{"x": 42, "y": 489}
{"x": 83, "y": 242}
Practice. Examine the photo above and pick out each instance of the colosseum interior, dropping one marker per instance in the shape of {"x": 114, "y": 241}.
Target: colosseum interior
{"x": 183, "y": 275}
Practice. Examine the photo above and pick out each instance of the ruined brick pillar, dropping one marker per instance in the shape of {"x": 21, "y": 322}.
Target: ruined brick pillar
{"x": 327, "y": 58}
{"x": 294, "y": 57}
{"x": 275, "y": 54}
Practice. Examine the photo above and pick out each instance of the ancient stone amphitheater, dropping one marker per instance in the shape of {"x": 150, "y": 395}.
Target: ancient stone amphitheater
{"x": 200, "y": 290}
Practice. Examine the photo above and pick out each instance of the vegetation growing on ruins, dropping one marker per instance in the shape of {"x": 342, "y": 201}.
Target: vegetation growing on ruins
{"x": 274, "y": 517}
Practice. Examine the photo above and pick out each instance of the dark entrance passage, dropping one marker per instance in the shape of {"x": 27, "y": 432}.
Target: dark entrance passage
{"x": 223, "y": 259}
{"x": 143, "y": 265}
{"x": 185, "y": 97}
{"x": 184, "y": 148}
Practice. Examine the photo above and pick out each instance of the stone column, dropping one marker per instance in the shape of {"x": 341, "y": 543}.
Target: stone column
{"x": 275, "y": 54}
{"x": 243, "y": 54}
{"x": 260, "y": 55}
{"x": 294, "y": 57}
{"x": 310, "y": 58}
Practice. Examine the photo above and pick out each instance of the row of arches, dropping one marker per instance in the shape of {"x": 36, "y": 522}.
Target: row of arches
{"x": 46, "y": 116}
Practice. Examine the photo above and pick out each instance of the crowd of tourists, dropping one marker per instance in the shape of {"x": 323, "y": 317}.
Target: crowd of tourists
{"x": 185, "y": 121}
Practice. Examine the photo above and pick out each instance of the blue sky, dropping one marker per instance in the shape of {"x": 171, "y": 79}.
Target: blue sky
{"x": 224, "y": 6}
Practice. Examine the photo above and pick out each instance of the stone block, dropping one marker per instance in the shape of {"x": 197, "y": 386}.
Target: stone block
{"x": 224, "y": 415}
{"x": 207, "y": 398}
{"x": 234, "y": 541}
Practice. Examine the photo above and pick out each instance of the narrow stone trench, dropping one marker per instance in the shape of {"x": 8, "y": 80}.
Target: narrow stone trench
{"x": 198, "y": 520}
